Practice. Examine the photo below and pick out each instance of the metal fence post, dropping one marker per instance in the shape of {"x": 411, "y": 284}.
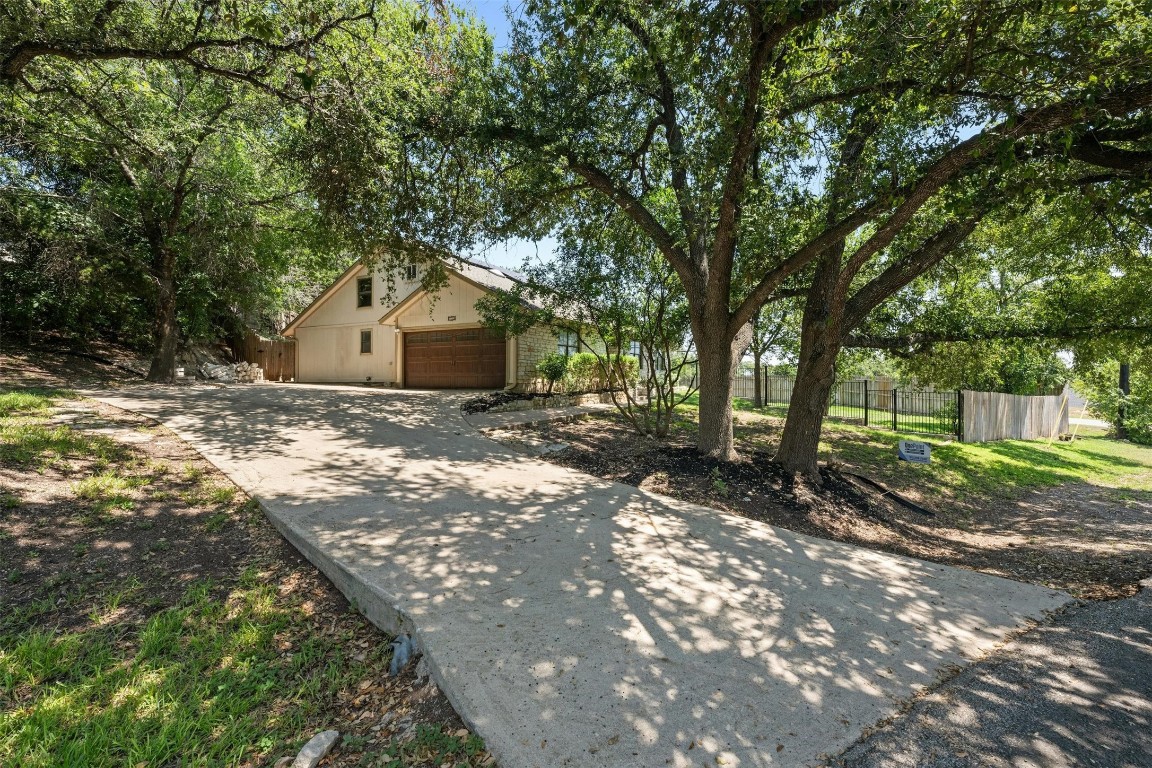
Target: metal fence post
{"x": 895, "y": 399}
{"x": 960, "y": 415}
{"x": 866, "y": 390}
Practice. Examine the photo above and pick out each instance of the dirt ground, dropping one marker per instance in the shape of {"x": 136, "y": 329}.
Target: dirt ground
{"x": 1095, "y": 543}
{"x": 61, "y": 553}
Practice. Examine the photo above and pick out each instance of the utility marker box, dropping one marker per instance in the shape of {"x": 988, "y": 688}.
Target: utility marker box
{"x": 915, "y": 452}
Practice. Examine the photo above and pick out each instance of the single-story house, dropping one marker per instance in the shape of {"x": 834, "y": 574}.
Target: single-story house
{"x": 416, "y": 340}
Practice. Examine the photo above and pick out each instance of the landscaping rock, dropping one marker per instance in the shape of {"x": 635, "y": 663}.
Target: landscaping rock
{"x": 224, "y": 373}
{"x": 245, "y": 373}
{"x": 486, "y": 402}
{"x": 401, "y": 653}
{"x": 405, "y": 729}
{"x": 315, "y": 750}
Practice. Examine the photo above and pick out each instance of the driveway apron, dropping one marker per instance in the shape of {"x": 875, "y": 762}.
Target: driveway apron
{"x": 577, "y": 622}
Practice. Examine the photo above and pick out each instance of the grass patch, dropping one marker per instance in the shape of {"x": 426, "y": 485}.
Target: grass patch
{"x": 36, "y": 445}
{"x": 432, "y": 746}
{"x": 207, "y": 494}
{"x": 27, "y": 440}
{"x": 997, "y": 470}
{"x": 199, "y": 682}
{"x": 107, "y": 485}
{"x": 31, "y": 401}
{"x": 216, "y": 522}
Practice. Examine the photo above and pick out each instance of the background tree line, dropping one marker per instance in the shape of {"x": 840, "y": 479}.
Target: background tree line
{"x": 892, "y": 176}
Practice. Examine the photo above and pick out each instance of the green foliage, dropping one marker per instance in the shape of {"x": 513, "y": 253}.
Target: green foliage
{"x": 196, "y": 683}
{"x": 30, "y": 402}
{"x": 1018, "y": 368}
{"x": 625, "y": 370}
{"x": 432, "y": 746}
{"x": 585, "y": 373}
{"x": 220, "y": 167}
{"x": 36, "y": 445}
{"x": 1098, "y": 381}
{"x": 552, "y": 368}
{"x": 878, "y": 138}
{"x": 591, "y": 372}
{"x": 719, "y": 486}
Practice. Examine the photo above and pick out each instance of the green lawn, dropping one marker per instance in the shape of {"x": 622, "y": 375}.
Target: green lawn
{"x": 993, "y": 470}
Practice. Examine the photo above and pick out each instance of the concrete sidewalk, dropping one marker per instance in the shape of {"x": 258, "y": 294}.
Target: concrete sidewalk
{"x": 576, "y": 622}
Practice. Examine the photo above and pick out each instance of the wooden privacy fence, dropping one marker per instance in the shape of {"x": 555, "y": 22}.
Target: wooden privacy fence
{"x": 988, "y": 416}
{"x": 276, "y": 356}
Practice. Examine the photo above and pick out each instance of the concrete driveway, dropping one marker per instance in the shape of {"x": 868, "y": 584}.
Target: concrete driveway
{"x": 575, "y": 622}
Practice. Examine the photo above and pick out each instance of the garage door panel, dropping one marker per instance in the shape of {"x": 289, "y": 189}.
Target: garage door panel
{"x": 470, "y": 358}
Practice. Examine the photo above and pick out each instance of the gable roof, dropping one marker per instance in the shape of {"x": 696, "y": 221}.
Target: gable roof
{"x": 481, "y": 275}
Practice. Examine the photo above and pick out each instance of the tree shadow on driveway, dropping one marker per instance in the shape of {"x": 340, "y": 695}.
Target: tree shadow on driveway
{"x": 574, "y": 621}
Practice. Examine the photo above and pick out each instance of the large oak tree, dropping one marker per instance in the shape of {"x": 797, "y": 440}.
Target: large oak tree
{"x": 831, "y": 151}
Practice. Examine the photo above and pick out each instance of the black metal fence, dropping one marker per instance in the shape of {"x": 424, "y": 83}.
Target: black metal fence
{"x": 875, "y": 403}
{"x": 914, "y": 410}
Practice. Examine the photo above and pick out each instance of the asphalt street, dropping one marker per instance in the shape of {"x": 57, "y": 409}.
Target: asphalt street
{"x": 1074, "y": 692}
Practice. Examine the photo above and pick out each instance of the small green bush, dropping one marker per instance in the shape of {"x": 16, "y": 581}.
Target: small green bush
{"x": 552, "y": 368}
{"x": 628, "y": 368}
{"x": 585, "y": 373}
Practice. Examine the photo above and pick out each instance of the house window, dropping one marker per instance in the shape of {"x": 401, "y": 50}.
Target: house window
{"x": 411, "y": 271}
{"x": 365, "y": 342}
{"x": 364, "y": 292}
{"x": 567, "y": 342}
{"x": 634, "y": 349}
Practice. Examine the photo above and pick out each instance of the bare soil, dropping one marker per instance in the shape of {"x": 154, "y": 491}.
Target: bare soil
{"x": 1095, "y": 543}
{"x": 60, "y": 554}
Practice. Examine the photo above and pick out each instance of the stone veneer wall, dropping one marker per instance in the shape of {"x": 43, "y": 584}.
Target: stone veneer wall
{"x": 537, "y": 342}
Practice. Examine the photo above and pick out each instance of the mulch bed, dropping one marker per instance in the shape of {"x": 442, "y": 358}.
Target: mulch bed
{"x": 489, "y": 400}
{"x": 1095, "y": 543}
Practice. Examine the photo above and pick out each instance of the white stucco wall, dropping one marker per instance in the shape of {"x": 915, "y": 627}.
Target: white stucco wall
{"x": 340, "y": 308}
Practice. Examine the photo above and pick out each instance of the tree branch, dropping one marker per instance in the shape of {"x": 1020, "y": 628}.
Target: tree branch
{"x": 765, "y": 41}
{"x": 23, "y": 53}
{"x": 907, "y": 269}
{"x": 920, "y": 341}
{"x": 669, "y": 118}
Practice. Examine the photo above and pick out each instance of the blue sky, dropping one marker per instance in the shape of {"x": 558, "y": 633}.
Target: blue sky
{"x": 492, "y": 13}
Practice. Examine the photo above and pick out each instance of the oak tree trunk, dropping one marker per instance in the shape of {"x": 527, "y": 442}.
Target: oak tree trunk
{"x": 1125, "y": 392}
{"x": 165, "y": 332}
{"x": 718, "y": 358}
{"x": 814, "y": 381}
{"x": 820, "y": 341}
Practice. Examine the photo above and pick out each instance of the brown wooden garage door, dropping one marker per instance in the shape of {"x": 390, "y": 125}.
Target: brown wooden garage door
{"x": 462, "y": 359}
